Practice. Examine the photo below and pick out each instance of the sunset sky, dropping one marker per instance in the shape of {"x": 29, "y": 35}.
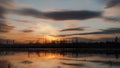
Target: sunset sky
{"x": 24, "y": 20}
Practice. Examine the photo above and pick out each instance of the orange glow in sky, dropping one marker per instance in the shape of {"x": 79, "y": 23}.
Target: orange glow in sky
{"x": 49, "y": 39}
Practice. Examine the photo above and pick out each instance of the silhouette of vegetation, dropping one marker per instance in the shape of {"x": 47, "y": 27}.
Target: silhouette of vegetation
{"x": 74, "y": 46}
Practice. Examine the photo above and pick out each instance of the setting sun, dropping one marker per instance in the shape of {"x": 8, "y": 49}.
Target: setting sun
{"x": 51, "y": 38}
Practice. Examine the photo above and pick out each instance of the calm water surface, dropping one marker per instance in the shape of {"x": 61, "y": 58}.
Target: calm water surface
{"x": 56, "y": 60}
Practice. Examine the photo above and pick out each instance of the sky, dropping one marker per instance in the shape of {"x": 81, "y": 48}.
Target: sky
{"x": 24, "y": 20}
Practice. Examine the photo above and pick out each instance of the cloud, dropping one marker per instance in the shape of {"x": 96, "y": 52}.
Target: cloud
{"x": 55, "y": 15}
{"x": 27, "y": 31}
{"x": 106, "y": 31}
{"x": 2, "y": 12}
{"x": 23, "y": 21}
{"x": 115, "y": 19}
{"x": 73, "y": 29}
{"x": 5, "y": 7}
{"x": 6, "y": 3}
{"x": 29, "y": 12}
{"x": 112, "y": 14}
{"x": 4, "y": 27}
{"x": 59, "y": 15}
{"x": 112, "y": 3}
{"x": 72, "y": 15}
{"x": 112, "y": 11}
{"x": 44, "y": 28}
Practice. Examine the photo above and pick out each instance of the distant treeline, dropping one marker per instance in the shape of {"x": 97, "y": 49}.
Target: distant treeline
{"x": 64, "y": 45}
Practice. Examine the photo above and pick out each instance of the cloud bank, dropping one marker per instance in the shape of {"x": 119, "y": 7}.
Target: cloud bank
{"x": 73, "y": 29}
{"x": 112, "y": 3}
{"x": 57, "y": 15}
{"x": 4, "y": 27}
{"x": 106, "y": 31}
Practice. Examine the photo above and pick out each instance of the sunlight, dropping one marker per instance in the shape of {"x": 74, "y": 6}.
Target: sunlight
{"x": 52, "y": 56}
{"x": 51, "y": 38}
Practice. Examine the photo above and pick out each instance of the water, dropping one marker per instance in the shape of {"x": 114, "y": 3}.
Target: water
{"x": 57, "y": 60}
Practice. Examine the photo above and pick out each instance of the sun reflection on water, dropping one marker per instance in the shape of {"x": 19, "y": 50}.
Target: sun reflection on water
{"x": 56, "y": 60}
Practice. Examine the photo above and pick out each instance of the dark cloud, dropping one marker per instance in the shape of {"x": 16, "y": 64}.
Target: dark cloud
{"x": 61, "y": 15}
{"x": 73, "y": 29}
{"x": 5, "y": 1}
{"x": 4, "y": 27}
{"x": 107, "y": 31}
{"x": 79, "y": 39}
{"x": 72, "y": 15}
{"x": 2, "y": 12}
{"x": 29, "y": 12}
{"x": 110, "y": 15}
{"x": 68, "y": 15}
{"x": 23, "y": 21}
{"x": 114, "y": 19}
{"x": 5, "y": 5}
{"x": 112, "y": 3}
{"x": 58, "y": 15}
{"x": 27, "y": 31}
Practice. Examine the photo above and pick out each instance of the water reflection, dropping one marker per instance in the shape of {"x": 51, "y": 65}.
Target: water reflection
{"x": 73, "y": 64}
{"x": 26, "y": 62}
{"x": 57, "y": 60}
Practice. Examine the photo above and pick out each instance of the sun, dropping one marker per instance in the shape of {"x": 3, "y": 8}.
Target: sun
{"x": 48, "y": 39}
{"x": 51, "y": 38}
